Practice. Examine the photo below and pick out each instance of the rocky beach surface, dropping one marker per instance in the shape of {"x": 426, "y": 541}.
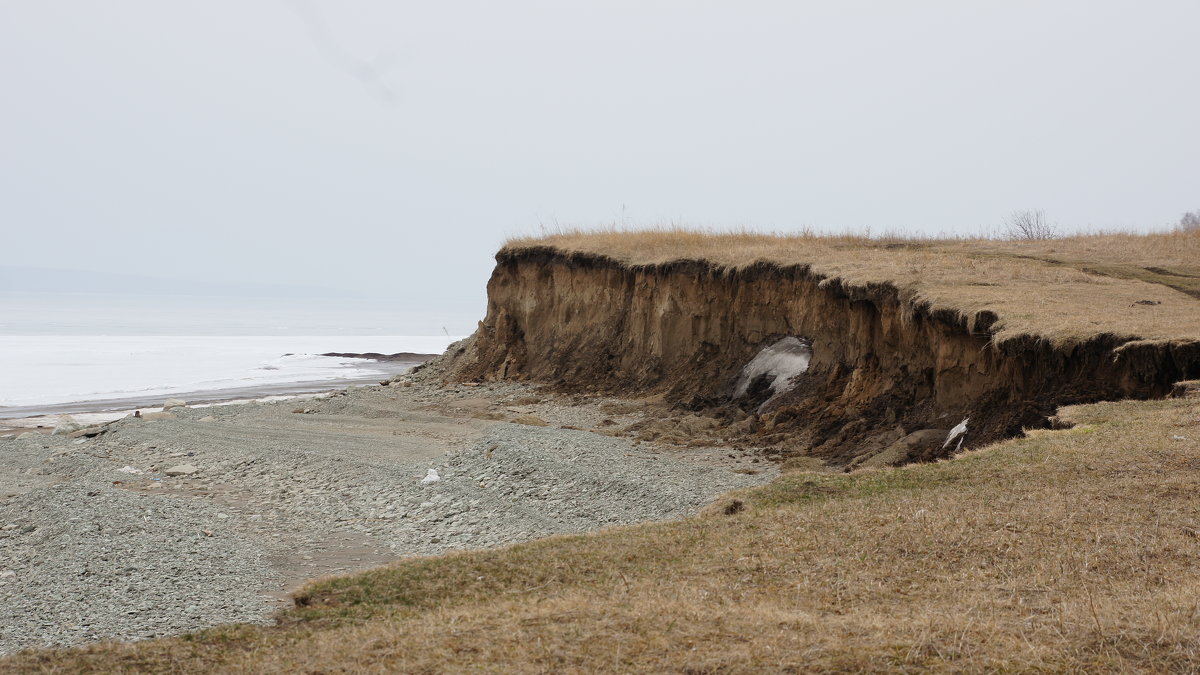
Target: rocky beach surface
{"x": 194, "y": 517}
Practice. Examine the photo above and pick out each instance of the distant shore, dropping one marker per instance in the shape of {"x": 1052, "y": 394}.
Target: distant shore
{"x": 18, "y": 419}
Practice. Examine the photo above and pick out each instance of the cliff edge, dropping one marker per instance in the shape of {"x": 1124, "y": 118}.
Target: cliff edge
{"x": 901, "y": 337}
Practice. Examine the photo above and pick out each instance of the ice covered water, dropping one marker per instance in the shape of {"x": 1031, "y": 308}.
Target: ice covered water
{"x": 59, "y": 348}
{"x": 55, "y": 369}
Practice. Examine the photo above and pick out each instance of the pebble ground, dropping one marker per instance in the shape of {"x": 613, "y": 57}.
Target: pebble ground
{"x": 97, "y": 542}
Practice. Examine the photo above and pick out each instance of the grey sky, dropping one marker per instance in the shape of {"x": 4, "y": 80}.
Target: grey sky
{"x": 229, "y": 139}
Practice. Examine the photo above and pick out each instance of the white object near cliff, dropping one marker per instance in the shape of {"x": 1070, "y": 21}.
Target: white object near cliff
{"x": 431, "y": 476}
{"x": 956, "y": 432}
{"x": 174, "y": 403}
{"x": 779, "y": 362}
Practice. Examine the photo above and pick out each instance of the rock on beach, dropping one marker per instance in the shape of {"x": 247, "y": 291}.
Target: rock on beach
{"x": 181, "y": 470}
{"x": 66, "y": 425}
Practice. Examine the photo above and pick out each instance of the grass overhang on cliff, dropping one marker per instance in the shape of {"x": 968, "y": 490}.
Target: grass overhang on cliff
{"x": 1131, "y": 287}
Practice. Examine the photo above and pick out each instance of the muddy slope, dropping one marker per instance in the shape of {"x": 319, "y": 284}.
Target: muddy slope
{"x": 883, "y": 365}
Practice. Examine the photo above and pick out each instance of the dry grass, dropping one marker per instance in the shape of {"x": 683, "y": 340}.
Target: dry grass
{"x": 1065, "y": 551}
{"x": 1064, "y": 290}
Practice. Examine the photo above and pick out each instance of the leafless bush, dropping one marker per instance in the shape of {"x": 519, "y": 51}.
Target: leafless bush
{"x": 1030, "y": 224}
{"x": 1190, "y": 221}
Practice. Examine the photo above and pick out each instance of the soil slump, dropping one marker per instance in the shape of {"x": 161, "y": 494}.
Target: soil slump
{"x": 883, "y": 365}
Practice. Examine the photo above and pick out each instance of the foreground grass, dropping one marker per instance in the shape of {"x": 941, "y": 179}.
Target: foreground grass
{"x": 1065, "y": 550}
{"x": 1064, "y": 290}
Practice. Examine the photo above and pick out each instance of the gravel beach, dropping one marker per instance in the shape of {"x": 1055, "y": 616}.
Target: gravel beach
{"x": 196, "y": 517}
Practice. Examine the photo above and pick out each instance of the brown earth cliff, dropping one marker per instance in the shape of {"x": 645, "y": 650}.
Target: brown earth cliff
{"x": 884, "y": 363}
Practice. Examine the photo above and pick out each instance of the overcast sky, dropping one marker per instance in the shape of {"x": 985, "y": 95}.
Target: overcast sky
{"x": 392, "y": 146}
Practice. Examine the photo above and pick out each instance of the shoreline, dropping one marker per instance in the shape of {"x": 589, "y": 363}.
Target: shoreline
{"x": 249, "y": 503}
{"x": 43, "y": 418}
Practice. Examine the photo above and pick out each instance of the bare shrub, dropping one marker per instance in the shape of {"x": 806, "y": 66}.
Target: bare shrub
{"x": 1030, "y": 224}
{"x": 1190, "y": 221}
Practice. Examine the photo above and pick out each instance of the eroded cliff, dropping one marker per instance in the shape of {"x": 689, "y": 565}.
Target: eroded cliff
{"x": 883, "y": 365}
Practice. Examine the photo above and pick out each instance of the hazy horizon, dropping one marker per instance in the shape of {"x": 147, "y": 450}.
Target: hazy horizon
{"x": 387, "y": 150}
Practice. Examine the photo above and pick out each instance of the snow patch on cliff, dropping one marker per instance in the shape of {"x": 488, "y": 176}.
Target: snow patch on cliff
{"x": 779, "y": 363}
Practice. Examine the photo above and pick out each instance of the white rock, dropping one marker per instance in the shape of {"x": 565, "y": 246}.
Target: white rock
{"x": 6, "y": 574}
{"x": 181, "y": 470}
{"x": 67, "y": 425}
{"x": 174, "y": 403}
{"x": 431, "y": 476}
{"x": 129, "y": 469}
{"x": 28, "y": 434}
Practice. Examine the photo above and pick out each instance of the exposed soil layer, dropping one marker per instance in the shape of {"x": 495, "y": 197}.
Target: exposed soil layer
{"x": 884, "y": 365}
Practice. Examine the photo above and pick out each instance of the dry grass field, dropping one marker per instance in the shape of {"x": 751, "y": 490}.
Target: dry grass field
{"x": 1060, "y": 289}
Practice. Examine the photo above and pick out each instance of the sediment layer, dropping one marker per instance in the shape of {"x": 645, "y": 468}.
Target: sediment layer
{"x": 884, "y": 364}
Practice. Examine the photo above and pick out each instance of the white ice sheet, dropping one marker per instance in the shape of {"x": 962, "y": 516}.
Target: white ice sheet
{"x": 40, "y": 370}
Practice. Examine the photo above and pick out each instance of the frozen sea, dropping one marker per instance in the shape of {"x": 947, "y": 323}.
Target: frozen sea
{"x": 83, "y": 352}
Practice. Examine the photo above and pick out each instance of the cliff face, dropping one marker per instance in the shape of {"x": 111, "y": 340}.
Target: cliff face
{"x": 881, "y": 366}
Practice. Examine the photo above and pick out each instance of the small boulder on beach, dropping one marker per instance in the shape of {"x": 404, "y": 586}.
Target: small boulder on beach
{"x": 174, "y": 403}
{"x": 181, "y": 470}
{"x": 66, "y": 425}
